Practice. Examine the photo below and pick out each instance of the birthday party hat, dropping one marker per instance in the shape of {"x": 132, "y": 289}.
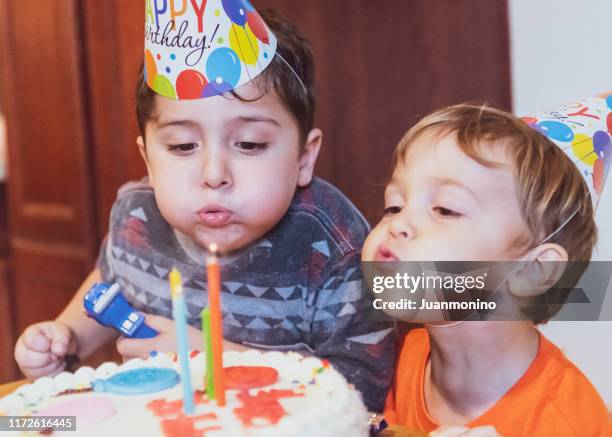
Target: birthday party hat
{"x": 583, "y": 131}
{"x": 202, "y": 48}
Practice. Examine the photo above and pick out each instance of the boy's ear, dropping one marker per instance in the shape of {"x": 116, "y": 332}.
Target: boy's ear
{"x": 547, "y": 264}
{"x": 308, "y": 157}
{"x": 143, "y": 153}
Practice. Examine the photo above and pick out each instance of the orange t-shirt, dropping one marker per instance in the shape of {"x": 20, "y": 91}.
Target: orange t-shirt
{"x": 552, "y": 398}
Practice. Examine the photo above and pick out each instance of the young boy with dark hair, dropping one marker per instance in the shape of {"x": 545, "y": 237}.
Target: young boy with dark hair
{"x": 230, "y": 161}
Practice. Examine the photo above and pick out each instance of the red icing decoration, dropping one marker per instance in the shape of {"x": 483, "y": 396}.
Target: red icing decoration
{"x": 162, "y": 407}
{"x": 184, "y": 427}
{"x": 244, "y": 377}
{"x": 264, "y": 405}
{"x": 193, "y": 354}
{"x": 177, "y": 427}
{"x": 175, "y": 423}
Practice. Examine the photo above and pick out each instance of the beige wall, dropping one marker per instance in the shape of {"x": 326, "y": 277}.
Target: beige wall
{"x": 560, "y": 53}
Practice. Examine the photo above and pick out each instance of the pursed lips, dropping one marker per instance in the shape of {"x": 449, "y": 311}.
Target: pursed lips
{"x": 214, "y": 216}
{"x": 385, "y": 254}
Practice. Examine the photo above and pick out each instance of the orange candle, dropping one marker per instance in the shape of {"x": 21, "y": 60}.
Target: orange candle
{"x": 216, "y": 325}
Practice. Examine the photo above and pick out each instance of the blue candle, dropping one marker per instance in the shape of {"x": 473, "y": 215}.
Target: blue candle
{"x": 179, "y": 313}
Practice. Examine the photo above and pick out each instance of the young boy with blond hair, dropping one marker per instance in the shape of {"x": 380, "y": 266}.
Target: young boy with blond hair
{"x": 231, "y": 162}
{"x": 472, "y": 183}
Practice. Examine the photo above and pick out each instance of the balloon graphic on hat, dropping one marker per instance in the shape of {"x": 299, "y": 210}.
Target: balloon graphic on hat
{"x": 202, "y": 48}
{"x": 583, "y": 130}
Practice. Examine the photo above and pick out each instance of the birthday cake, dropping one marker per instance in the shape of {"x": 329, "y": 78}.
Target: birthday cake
{"x": 267, "y": 394}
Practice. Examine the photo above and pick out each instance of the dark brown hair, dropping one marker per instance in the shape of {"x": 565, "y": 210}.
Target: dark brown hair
{"x": 298, "y": 98}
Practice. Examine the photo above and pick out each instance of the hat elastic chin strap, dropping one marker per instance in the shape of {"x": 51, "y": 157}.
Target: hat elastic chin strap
{"x": 522, "y": 261}
{"x": 292, "y": 70}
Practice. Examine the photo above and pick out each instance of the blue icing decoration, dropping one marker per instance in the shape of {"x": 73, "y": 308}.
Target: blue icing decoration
{"x": 138, "y": 381}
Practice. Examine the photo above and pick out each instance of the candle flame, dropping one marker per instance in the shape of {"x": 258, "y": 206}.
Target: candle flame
{"x": 176, "y": 284}
{"x": 212, "y": 248}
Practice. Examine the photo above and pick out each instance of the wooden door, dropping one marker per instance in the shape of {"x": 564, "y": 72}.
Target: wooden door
{"x": 51, "y": 197}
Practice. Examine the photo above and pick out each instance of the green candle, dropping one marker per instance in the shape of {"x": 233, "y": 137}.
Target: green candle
{"x": 209, "y": 383}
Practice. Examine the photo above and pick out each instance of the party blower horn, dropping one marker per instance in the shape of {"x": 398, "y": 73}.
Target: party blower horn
{"x": 202, "y": 48}
{"x": 583, "y": 131}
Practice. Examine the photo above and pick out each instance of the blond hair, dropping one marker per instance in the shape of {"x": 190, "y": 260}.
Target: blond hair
{"x": 549, "y": 185}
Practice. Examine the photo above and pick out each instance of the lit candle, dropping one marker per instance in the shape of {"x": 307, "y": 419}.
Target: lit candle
{"x": 179, "y": 313}
{"x": 216, "y": 326}
{"x": 209, "y": 384}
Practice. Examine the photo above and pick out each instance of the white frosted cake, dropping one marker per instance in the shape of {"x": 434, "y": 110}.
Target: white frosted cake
{"x": 269, "y": 394}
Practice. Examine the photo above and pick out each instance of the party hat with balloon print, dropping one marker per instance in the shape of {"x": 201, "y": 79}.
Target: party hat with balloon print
{"x": 202, "y": 48}
{"x": 583, "y": 130}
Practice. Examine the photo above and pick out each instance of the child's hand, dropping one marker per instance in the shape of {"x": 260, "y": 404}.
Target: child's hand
{"x": 165, "y": 341}
{"x": 461, "y": 431}
{"x": 41, "y": 349}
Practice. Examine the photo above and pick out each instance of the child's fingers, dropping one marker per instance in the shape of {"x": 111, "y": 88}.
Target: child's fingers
{"x": 159, "y": 323}
{"x": 50, "y": 370}
{"x": 135, "y": 348}
{"x": 29, "y": 359}
{"x": 62, "y": 346}
{"x": 35, "y": 339}
{"x": 60, "y": 336}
